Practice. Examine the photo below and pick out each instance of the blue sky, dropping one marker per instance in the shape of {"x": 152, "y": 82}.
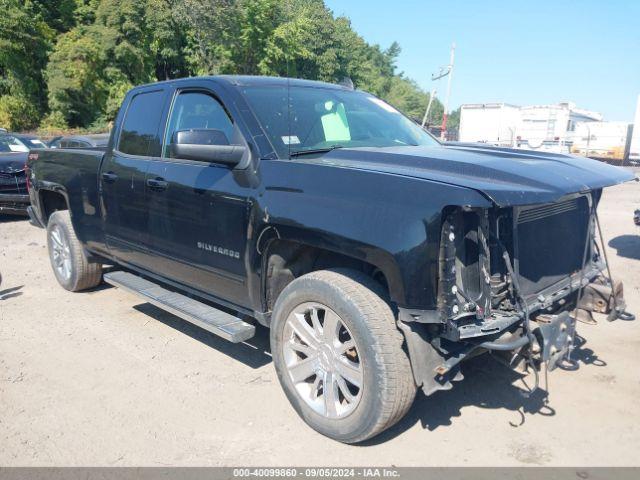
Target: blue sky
{"x": 524, "y": 53}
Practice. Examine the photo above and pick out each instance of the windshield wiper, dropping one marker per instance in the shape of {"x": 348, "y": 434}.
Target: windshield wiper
{"x": 297, "y": 153}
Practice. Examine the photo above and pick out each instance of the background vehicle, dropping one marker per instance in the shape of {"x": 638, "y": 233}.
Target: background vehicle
{"x": 634, "y": 149}
{"x": 606, "y": 141}
{"x": 19, "y": 142}
{"x": 80, "y": 141}
{"x": 379, "y": 258}
{"x": 14, "y": 198}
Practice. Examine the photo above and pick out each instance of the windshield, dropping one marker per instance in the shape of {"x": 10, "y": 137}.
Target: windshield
{"x": 324, "y": 118}
{"x": 9, "y": 143}
{"x": 33, "y": 142}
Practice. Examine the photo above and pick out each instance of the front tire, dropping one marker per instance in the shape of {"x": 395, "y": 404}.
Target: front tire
{"x": 70, "y": 264}
{"x": 339, "y": 357}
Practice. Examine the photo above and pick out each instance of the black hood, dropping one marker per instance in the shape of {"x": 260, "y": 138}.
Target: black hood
{"x": 12, "y": 162}
{"x": 506, "y": 176}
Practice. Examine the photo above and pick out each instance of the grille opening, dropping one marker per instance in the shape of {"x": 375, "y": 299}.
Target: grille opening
{"x": 551, "y": 240}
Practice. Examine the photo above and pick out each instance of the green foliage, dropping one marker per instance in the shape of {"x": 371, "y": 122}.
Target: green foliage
{"x": 17, "y": 112}
{"x": 25, "y": 39}
{"x": 453, "y": 120}
{"x": 78, "y": 87}
{"x": 58, "y": 14}
{"x": 69, "y": 63}
{"x": 85, "y": 11}
{"x": 407, "y": 97}
{"x": 211, "y": 31}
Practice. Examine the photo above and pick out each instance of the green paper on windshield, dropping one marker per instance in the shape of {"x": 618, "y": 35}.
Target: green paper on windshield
{"x": 335, "y": 125}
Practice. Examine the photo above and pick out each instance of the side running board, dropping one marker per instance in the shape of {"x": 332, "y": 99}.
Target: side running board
{"x": 215, "y": 321}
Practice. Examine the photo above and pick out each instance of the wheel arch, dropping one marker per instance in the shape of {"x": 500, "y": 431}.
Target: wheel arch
{"x": 51, "y": 200}
{"x": 289, "y": 254}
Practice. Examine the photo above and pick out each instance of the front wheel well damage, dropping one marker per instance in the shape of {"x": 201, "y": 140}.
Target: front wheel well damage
{"x": 287, "y": 260}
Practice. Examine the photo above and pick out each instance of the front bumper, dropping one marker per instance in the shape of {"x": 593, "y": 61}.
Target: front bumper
{"x": 547, "y": 300}
{"x": 15, "y": 204}
{"x": 436, "y": 360}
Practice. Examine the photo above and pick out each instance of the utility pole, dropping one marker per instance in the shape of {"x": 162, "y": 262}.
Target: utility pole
{"x": 426, "y": 114}
{"x": 446, "y": 102}
{"x": 444, "y": 71}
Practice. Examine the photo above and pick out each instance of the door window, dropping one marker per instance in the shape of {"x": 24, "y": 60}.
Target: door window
{"x": 140, "y": 127}
{"x": 198, "y": 111}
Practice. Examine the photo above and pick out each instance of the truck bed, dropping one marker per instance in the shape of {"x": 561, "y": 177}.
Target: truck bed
{"x": 76, "y": 171}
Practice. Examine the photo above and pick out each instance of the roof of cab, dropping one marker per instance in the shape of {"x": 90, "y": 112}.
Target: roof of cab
{"x": 254, "y": 80}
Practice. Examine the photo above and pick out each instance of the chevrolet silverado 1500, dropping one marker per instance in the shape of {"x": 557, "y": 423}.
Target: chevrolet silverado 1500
{"x": 379, "y": 258}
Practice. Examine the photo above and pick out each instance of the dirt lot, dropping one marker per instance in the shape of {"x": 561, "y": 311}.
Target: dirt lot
{"x": 99, "y": 378}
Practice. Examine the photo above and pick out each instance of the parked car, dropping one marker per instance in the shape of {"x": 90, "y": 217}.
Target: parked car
{"x": 14, "y": 198}
{"x": 81, "y": 141}
{"x": 24, "y": 142}
{"x": 378, "y": 257}
{"x": 53, "y": 142}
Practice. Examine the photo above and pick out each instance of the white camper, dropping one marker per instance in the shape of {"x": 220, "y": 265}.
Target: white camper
{"x": 551, "y": 127}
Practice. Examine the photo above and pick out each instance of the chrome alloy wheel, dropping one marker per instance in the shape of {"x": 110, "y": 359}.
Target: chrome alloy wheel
{"x": 60, "y": 252}
{"x": 322, "y": 360}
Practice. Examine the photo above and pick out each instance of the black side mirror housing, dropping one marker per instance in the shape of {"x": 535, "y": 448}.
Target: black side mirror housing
{"x": 205, "y": 145}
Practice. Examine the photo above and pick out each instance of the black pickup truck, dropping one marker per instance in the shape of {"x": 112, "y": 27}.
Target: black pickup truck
{"x": 379, "y": 258}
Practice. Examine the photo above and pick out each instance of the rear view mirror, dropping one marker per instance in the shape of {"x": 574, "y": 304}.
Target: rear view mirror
{"x": 205, "y": 145}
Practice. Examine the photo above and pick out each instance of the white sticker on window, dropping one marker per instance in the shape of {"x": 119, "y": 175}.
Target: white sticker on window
{"x": 290, "y": 140}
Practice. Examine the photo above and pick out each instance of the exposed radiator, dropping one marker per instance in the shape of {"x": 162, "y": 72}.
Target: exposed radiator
{"x": 551, "y": 241}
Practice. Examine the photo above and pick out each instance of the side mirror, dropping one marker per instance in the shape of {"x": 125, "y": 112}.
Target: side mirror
{"x": 205, "y": 145}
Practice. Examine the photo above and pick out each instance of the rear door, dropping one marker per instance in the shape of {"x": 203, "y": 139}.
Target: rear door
{"x": 122, "y": 175}
{"x": 198, "y": 212}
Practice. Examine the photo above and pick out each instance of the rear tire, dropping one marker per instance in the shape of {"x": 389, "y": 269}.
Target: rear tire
{"x": 306, "y": 355}
{"x": 70, "y": 264}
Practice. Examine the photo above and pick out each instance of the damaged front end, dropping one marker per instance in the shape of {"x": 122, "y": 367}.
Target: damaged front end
{"x": 512, "y": 279}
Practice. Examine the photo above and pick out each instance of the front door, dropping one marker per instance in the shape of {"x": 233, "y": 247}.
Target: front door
{"x": 198, "y": 212}
{"x": 123, "y": 173}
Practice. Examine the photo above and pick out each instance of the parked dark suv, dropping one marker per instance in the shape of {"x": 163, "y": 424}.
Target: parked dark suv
{"x": 14, "y": 198}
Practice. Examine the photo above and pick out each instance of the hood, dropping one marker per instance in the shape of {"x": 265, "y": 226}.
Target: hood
{"x": 506, "y": 176}
{"x": 12, "y": 162}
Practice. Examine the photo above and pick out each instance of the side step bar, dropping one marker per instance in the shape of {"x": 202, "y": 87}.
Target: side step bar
{"x": 215, "y": 321}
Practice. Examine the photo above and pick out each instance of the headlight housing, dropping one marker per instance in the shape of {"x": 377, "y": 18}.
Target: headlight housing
{"x": 464, "y": 281}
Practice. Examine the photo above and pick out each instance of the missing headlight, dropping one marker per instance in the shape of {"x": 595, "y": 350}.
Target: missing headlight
{"x": 464, "y": 259}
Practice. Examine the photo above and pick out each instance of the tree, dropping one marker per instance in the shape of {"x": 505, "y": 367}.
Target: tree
{"x": 211, "y": 31}
{"x": 405, "y": 95}
{"x": 74, "y": 60}
{"x": 58, "y": 15}
{"x": 167, "y": 41}
{"x": 78, "y": 87}
{"x": 25, "y": 39}
{"x": 92, "y": 67}
{"x": 258, "y": 22}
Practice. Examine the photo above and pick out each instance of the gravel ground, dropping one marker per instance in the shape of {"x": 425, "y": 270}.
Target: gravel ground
{"x": 100, "y": 378}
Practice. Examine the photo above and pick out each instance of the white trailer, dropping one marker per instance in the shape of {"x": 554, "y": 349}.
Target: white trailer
{"x": 634, "y": 147}
{"x": 493, "y": 123}
{"x": 601, "y": 140}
